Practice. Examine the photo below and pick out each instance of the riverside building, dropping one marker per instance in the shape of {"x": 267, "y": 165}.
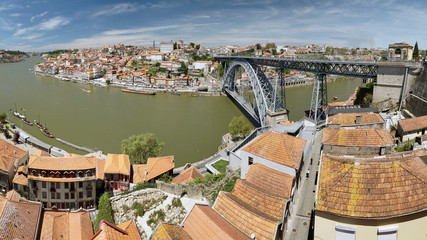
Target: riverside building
{"x": 62, "y": 182}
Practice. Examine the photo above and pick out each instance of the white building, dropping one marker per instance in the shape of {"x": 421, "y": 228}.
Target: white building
{"x": 166, "y": 47}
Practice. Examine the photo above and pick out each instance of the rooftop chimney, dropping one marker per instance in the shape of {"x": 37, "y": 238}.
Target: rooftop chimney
{"x": 358, "y": 119}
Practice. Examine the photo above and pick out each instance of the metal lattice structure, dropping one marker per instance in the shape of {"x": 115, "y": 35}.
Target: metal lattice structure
{"x": 351, "y": 69}
{"x": 265, "y": 93}
{"x": 266, "y": 97}
{"x": 319, "y": 99}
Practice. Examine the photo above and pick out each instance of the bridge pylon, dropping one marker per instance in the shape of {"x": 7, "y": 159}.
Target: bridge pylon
{"x": 319, "y": 99}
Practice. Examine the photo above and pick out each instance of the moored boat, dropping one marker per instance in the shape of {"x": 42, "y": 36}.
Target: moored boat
{"x": 27, "y": 122}
{"x": 138, "y": 91}
{"x": 46, "y": 132}
{"x": 86, "y": 90}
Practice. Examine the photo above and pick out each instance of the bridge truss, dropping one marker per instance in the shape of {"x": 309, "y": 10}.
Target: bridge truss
{"x": 267, "y": 97}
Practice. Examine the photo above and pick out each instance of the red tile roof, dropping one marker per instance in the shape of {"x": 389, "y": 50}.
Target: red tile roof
{"x": 124, "y": 231}
{"x": 278, "y": 147}
{"x": 356, "y": 137}
{"x": 350, "y": 118}
{"x": 187, "y": 176}
{"x": 412, "y": 124}
{"x": 166, "y": 231}
{"x": 204, "y": 223}
{"x": 373, "y": 187}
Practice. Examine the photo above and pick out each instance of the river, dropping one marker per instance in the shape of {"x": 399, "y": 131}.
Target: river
{"x": 190, "y": 127}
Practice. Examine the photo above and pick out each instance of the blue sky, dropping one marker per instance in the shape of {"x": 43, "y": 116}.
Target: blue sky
{"x": 56, "y": 24}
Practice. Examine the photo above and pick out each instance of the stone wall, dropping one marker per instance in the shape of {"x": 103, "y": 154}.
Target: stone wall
{"x": 417, "y": 105}
{"x": 192, "y": 191}
{"x": 346, "y": 150}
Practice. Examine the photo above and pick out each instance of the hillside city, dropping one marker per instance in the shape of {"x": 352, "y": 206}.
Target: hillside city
{"x": 358, "y": 173}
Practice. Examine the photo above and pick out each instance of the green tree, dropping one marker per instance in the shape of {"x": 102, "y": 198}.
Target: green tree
{"x": 192, "y": 44}
{"x": 141, "y": 147}
{"x": 105, "y": 211}
{"x": 270, "y": 46}
{"x": 3, "y": 117}
{"x": 220, "y": 70}
{"x": 174, "y": 46}
{"x": 239, "y": 127}
{"x": 198, "y": 46}
{"x": 183, "y": 68}
{"x": 258, "y": 46}
{"x": 166, "y": 178}
{"x": 416, "y": 53}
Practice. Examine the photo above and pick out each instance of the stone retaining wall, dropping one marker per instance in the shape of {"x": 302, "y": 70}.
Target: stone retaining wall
{"x": 192, "y": 191}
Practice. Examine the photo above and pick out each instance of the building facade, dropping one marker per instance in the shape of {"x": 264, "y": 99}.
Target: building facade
{"x": 62, "y": 183}
{"x": 166, "y": 47}
{"x": 400, "y": 51}
{"x": 117, "y": 172}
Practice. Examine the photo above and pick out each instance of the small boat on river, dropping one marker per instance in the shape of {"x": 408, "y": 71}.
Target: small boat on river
{"x": 86, "y": 90}
{"x": 46, "y": 132}
{"x": 138, "y": 91}
{"x": 27, "y": 122}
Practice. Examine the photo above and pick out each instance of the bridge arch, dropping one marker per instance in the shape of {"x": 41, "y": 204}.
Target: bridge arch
{"x": 266, "y": 96}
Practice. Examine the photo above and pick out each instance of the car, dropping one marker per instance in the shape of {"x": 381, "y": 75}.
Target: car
{"x": 307, "y": 174}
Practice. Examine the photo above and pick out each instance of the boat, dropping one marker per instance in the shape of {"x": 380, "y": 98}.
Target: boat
{"x": 46, "y": 132}
{"x": 86, "y": 90}
{"x": 334, "y": 98}
{"x": 38, "y": 124}
{"x": 27, "y": 122}
{"x": 138, "y": 91}
{"x": 17, "y": 114}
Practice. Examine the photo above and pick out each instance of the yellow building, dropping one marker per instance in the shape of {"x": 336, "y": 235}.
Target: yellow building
{"x": 381, "y": 197}
{"x": 400, "y": 51}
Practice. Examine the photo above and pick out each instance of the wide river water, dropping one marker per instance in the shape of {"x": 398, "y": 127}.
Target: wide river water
{"x": 190, "y": 127}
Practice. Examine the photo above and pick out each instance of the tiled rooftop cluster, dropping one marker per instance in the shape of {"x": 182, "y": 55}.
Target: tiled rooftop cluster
{"x": 376, "y": 188}
{"x": 256, "y": 205}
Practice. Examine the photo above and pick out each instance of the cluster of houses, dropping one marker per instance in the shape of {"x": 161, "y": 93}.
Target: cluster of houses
{"x": 366, "y": 190}
{"x": 128, "y": 64}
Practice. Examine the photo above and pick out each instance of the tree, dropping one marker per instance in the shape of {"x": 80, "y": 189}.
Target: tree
{"x": 416, "y": 53}
{"x": 141, "y": 147}
{"x": 239, "y": 127}
{"x": 183, "y": 68}
{"x": 220, "y": 70}
{"x": 192, "y": 44}
{"x": 3, "y": 117}
{"x": 105, "y": 211}
{"x": 198, "y": 46}
{"x": 270, "y": 46}
{"x": 174, "y": 46}
{"x": 258, "y": 46}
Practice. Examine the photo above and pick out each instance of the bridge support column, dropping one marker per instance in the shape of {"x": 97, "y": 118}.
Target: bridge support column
{"x": 276, "y": 117}
{"x": 319, "y": 99}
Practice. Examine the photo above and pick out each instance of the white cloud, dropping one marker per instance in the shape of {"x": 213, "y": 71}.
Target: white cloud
{"x": 34, "y": 31}
{"x": 118, "y": 9}
{"x": 38, "y": 16}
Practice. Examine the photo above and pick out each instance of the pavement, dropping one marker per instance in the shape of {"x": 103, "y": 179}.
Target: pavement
{"x": 303, "y": 202}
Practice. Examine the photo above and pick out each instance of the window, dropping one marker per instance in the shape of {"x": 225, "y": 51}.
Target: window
{"x": 80, "y": 194}
{"x": 58, "y": 185}
{"x": 80, "y": 184}
{"x": 44, "y": 194}
{"x": 66, "y": 185}
{"x": 43, "y": 184}
{"x": 250, "y": 161}
{"x": 72, "y": 185}
{"x": 72, "y": 195}
{"x": 67, "y": 196}
{"x": 387, "y": 233}
{"x": 58, "y": 195}
{"x": 345, "y": 232}
{"x": 52, "y": 195}
{"x": 89, "y": 194}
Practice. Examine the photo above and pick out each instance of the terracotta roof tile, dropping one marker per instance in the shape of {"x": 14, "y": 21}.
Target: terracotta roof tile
{"x": 6, "y": 163}
{"x": 166, "y": 231}
{"x": 246, "y": 218}
{"x": 356, "y": 137}
{"x": 255, "y": 197}
{"x": 11, "y": 150}
{"x": 18, "y": 220}
{"x": 373, "y": 187}
{"x": 20, "y": 179}
{"x": 66, "y": 225}
{"x": 350, "y": 118}
{"x": 124, "y": 231}
{"x": 61, "y": 163}
{"x": 155, "y": 167}
{"x": 412, "y": 124}
{"x": 117, "y": 163}
{"x": 278, "y": 147}
{"x": 270, "y": 181}
{"x": 204, "y": 223}
{"x": 187, "y": 176}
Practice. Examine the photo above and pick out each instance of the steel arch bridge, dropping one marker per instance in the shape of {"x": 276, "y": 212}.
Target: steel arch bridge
{"x": 265, "y": 95}
{"x": 272, "y": 99}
